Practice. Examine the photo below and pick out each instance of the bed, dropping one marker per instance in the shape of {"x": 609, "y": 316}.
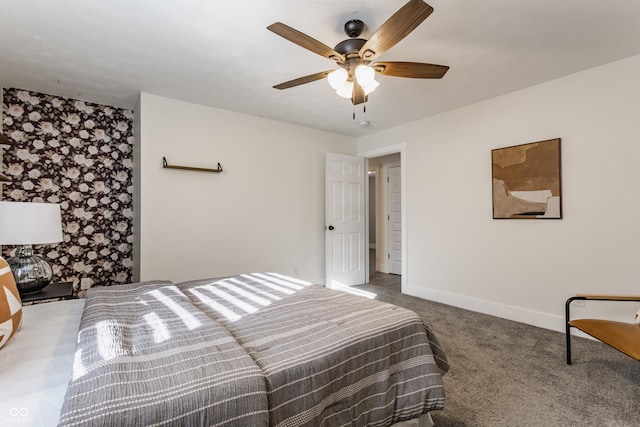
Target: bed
{"x": 35, "y": 365}
{"x": 258, "y": 349}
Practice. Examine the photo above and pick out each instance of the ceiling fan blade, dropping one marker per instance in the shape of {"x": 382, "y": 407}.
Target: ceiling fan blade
{"x": 414, "y": 70}
{"x": 303, "y": 40}
{"x": 395, "y": 28}
{"x": 358, "y": 96}
{"x": 303, "y": 80}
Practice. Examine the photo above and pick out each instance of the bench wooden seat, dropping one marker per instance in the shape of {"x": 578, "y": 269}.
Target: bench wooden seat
{"x": 622, "y": 336}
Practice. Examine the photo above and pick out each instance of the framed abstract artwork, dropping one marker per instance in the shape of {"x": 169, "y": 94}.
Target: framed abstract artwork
{"x": 526, "y": 181}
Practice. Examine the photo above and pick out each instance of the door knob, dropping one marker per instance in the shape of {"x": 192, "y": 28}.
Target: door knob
{"x": 331, "y": 227}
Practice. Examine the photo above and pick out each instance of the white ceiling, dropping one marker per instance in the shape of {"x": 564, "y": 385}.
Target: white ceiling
{"x": 219, "y": 52}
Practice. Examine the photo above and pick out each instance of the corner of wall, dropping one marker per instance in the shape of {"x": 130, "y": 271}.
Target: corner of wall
{"x": 136, "y": 190}
{"x": 1, "y": 130}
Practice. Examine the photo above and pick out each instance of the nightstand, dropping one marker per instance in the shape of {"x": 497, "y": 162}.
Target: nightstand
{"x": 55, "y": 291}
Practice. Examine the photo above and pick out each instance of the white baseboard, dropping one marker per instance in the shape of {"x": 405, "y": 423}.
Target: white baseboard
{"x": 517, "y": 314}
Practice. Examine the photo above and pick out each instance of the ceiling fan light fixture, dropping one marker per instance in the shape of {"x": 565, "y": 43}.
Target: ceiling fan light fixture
{"x": 365, "y": 75}
{"x": 338, "y": 78}
{"x": 354, "y": 55}
{"x": 371, "y": 87}
{"x": 346, "y": 90}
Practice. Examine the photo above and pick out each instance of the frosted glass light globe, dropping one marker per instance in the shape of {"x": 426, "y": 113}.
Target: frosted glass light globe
{"x": 365, "y": 75}
{"x": 371, "y": 87}
{"x": 337, "y": 78}
{"x": 346, "y": 90}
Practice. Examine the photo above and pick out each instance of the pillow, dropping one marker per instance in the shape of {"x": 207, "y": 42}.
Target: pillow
{"x": 10, "y": 304}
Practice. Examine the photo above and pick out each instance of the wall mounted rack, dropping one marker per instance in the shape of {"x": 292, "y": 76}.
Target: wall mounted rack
{"x": 4, "y": 140}
{"x": 166, "y": 165}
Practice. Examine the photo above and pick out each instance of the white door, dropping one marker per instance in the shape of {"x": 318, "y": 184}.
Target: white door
{"x": 395, "y": 220}
{"x": 344, "y": 220}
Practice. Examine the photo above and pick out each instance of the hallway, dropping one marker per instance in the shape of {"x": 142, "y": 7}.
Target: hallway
{"x": 390, "y": 282}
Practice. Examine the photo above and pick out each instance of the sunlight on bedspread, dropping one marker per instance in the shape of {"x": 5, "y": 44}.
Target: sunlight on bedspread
{"x": 327, "y": 355}
{"x": 123, "y": 375}
{"x": 254, "y": 349}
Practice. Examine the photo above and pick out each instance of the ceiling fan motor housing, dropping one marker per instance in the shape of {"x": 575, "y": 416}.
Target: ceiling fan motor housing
{"x": 349, "y": 46}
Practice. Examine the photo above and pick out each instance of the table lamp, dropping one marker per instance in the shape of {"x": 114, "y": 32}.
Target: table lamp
{"x": 26, "y": 224}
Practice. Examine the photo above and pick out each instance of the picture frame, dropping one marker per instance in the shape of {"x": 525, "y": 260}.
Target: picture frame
{"x": 526, "y": 181}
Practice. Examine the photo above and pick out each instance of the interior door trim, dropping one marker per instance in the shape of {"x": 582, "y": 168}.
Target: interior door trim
{"x": 377, "y": 152}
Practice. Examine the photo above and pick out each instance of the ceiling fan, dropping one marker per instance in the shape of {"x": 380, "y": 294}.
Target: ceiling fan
{"x": 355, "y": 78}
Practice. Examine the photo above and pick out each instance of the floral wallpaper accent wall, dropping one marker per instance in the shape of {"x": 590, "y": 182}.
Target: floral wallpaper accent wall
{"x": 79, "y": 155}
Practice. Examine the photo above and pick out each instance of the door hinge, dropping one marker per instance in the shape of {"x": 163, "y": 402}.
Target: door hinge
{"x": 388, "y": 217}
{"x": 388, "y": 179}
{"x": 388, "y": 256}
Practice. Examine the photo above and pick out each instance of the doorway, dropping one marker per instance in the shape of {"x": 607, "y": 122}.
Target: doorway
{"x": 385, "y": 218}
{"x": 350, "y": 249}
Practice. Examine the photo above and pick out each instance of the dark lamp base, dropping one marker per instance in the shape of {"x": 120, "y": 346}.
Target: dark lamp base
{"x": 31, "y": 273}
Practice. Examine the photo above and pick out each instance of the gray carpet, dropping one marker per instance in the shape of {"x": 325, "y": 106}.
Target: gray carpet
{"x": 509, "y": 374}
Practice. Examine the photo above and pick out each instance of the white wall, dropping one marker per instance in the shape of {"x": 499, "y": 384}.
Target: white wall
{"x": 265, "y": 212}
{"x": 525, "y": 269}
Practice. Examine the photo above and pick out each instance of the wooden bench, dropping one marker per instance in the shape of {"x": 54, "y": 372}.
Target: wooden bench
{"x": 622, "y": 336}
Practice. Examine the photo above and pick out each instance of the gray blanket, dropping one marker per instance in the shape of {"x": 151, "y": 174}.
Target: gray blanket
{"x": 146, "y": 356}
{"x": 259, "y": 349}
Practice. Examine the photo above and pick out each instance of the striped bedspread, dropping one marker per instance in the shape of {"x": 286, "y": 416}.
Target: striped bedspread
{"x": 250, "y": 350}
{"x": 146, "y": 356}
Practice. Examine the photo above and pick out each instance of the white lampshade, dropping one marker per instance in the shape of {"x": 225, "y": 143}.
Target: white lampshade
{"x": 365, "y": 75}
{"x": 337, "y": 78}
{"x": 25, "y": 223}
{"x": 371, "y": 87}
{"x": 346, "y": 91}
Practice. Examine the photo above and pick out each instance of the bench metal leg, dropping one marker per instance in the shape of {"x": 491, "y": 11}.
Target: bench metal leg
{"x": 567, "y": 318}
{"x": 567, "y": 330}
